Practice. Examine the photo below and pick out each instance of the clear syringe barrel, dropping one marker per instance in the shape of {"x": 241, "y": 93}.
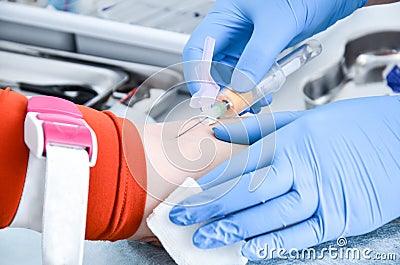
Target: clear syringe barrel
{"x": 236, "y": 102}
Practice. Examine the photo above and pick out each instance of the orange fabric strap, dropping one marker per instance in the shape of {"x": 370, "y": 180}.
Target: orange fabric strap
{"x": 13, "y": 153}
{"x": 117, "y": 192}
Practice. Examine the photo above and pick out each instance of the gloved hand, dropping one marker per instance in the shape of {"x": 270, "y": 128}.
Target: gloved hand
{"x": 324, "y": 173}
{"x": 250, "y": 35}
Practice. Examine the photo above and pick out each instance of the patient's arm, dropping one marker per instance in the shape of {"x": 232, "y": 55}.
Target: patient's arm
{"x": 119, "y": 181}
{"x": 170, "y": 160}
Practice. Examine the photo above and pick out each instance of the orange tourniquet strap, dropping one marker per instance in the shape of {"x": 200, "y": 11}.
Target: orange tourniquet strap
{"x": 117, "y": 193}
{"x": 13, "y": 153}
{"x": 119, "y": 200}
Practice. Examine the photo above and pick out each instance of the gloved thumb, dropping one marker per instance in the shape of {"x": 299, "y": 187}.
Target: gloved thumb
{"x": 252, "y": 129}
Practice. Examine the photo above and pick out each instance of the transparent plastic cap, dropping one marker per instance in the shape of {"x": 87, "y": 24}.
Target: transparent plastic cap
{"x": 207, "y": 94}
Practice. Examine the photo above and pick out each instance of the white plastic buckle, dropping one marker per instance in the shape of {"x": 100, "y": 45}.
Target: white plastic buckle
{"x": 55, "y": 129}
{"x": 35, "y": 136}
{"x": 64, "y": 127}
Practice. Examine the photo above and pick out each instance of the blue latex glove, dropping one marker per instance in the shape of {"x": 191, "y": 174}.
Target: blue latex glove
{"x": 324, "y": 173}
{"x": 250, "y": 35}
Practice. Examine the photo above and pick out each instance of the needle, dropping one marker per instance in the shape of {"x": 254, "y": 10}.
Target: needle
{"x": 185, "y": 131}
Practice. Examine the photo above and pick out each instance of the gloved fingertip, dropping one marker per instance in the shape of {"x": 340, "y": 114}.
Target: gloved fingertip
{"x": 192, "y": 89}
{"x": 245, "y": 111}
{"x": 205, "y": 238}
{"x": 192, "y": 86}
{"x": 201, "y": 240}
{"x": 179, "y": 215}
{"x": 221, "y": 133}
{"x": 255, "y": 109}
{"x": 267, "y": 99}
{"x": 237, "y": 132}
{"x": 218, "y": 234}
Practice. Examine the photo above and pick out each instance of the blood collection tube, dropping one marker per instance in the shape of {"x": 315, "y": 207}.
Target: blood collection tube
{"x": 231, "y": 103}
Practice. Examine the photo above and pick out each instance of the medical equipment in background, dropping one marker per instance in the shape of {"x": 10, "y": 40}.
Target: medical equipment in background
{"x": 393, "y": 78}
{"x": 40, "y": 3}
{"x": 75, "y": 6}
{"x": 364, "y": 65}
{"x": 66, "y": 75}
{"x": 77, "y": 93}
{"x": 175, "y": 15}
{"x": 230, "y": 103}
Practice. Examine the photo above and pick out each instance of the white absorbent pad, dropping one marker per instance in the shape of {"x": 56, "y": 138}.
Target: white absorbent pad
{"x": 177, "y": 240}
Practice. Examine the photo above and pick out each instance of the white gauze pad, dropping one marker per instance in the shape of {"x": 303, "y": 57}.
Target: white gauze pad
{"x": 177, "y": 240}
